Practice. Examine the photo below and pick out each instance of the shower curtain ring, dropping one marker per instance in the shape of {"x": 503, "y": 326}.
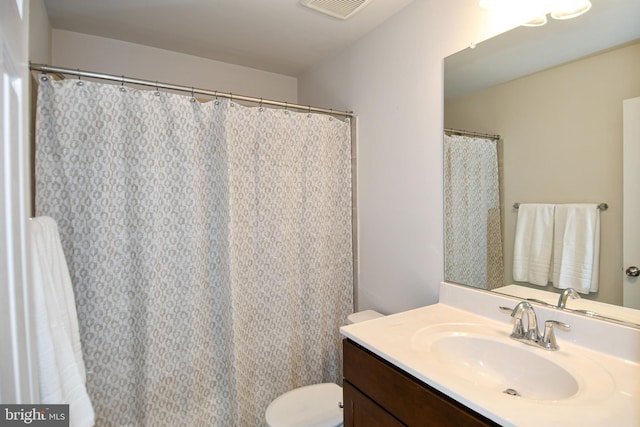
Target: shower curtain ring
{"x": 80, "y": 82}
{"x": 122, "y": 88}
{"x": 157, "y": 89}
{"x": 193, "y": 97}
{"x": 261, "y": 107}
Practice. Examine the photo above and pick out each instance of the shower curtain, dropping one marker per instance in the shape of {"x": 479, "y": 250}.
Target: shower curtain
{"x": 473, "y": 236}
{"x": 209, "y": 245}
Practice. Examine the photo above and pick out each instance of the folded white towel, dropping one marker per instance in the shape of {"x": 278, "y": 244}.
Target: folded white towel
{"x": 61, "y": 368}
{"x": 533, "y": 243}
{"x": 576, "y": 247}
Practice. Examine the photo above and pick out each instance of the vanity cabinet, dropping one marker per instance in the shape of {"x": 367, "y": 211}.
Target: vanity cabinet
{"x": 376, "y": 393}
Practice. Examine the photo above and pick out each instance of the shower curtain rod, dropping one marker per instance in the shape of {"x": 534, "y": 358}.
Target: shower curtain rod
{"x": 128, "y": 80}
{"x": 470, "y": 133}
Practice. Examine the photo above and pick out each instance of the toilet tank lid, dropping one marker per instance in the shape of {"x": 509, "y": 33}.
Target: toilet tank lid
{"x": 315, "y": 405}
{"x": 361, "y": 316}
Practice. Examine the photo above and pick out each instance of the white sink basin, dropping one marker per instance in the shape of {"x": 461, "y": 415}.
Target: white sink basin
{"x": 504, "y": 368}
{"x": 489, "y": 359}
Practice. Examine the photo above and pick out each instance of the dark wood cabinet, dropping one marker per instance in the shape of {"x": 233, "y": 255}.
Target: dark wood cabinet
{"x": 376, "y": 393}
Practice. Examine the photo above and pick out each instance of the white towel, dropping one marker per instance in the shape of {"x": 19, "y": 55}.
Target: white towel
{"x": 576, "y": 247}
{"x": 61, "y": 368}
{"x": 533, "y": 244}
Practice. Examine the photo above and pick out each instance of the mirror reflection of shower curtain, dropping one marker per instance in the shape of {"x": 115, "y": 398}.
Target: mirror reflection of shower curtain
{"x": 209, "y": 246}
{"x": 473, "y": 235}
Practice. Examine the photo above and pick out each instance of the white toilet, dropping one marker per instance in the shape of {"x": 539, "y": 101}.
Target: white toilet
{"x": 317, "y": 405}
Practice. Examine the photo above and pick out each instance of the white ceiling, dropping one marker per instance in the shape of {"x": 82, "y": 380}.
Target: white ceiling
{"x": 280, "y": 36}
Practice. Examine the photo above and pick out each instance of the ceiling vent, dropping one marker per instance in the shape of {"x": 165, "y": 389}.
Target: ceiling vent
{"x": 342, "y": 9}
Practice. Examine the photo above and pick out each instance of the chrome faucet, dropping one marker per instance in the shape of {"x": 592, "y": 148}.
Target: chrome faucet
{"x": 520, "y": 332}
{"x": 569, "y": 292}
{"x": 528, "y": 332}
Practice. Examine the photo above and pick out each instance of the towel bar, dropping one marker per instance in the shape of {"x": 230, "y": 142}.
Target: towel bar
{"x": 601, "y": 206}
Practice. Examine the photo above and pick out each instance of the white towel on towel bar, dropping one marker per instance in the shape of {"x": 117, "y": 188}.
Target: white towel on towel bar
{"x": 576, "y": 247}
{"x": 61, "y": 370}
{"x": 533, "y": 243}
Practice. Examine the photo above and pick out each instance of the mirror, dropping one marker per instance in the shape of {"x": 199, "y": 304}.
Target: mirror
{"x": 554, "y": 95}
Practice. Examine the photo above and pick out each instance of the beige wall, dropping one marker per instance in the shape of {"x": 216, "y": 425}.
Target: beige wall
{"x": 75, "y": 50}
{"x": 562, "y": 132}
{"x": 392, "y": 78}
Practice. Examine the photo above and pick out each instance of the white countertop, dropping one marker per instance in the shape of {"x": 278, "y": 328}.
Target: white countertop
{"x": 613, "y": 402}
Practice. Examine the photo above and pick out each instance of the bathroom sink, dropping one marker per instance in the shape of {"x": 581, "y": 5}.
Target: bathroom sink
{"x": 504, "y": 367}
{"x": 473, "y": 360}
{"x": 488, "y": 359}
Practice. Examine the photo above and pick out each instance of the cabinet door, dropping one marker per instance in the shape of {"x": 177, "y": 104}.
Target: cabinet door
{"x": 411, "y": 402}
{"x": 360, "y": 411}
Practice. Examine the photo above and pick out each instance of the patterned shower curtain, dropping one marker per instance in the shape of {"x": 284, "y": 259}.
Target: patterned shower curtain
{"x": 209, "y": 246}
{"x": 473, "y": 236}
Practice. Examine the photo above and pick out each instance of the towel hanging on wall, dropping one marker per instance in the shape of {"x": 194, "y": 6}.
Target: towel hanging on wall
{"x": 576, "y": 247}
{"x": 533, "y": 243}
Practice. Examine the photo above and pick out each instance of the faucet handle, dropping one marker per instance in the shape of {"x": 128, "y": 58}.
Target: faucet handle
{"x": 549, "y": 337}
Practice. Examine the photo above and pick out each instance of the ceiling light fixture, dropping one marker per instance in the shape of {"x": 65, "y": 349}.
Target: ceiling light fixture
{"x": 560, "y": 9}
{"x": 538, "y": 21}
{"x": 568, "y": 9}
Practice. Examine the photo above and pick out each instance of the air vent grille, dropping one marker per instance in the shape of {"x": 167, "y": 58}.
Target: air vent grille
{"x": 342, "y": 9}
